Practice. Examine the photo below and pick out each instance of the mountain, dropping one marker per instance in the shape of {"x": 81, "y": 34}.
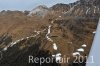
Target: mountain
{"x": 64, "y": 30}
{"x": 87, "y": 8}
{"x": 39, "y": 11}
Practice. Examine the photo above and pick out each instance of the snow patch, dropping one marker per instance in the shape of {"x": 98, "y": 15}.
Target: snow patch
{"x": 70, "y": 42}
{"x": 76, "y": 53}
{"x": 38, "y": 32}
{"x": 52, "y": 22}
{"x": 27, "y": 37}
{"x": 55, "y": 46}
{"x": 5, "y": 48}
{"x": 80, "y": 50}
{"x": 94, "y": 32}
{"x": 59, "y": 16}
{"x": 57, "y": 57}
{"x": 84, "y": 45}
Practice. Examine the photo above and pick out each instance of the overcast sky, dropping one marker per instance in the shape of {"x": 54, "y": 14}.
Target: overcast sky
{"x": 28, "y": 4}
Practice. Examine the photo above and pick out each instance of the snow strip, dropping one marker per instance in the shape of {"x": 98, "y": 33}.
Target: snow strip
{"x": 49, "y": 31}
{"x": 87, "y": 11}
{"x": 13, "y": 43}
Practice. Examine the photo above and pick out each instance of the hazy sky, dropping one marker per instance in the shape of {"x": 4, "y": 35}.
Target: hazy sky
{"x": 28, "y": 4}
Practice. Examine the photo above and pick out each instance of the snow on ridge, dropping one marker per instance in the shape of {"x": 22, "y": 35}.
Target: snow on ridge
{"x": 49, "y": 38}
{"x": 15, "y": 42}
{"x": 11, "y": 44}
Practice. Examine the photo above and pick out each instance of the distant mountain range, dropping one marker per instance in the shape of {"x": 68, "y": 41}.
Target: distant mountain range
{"x": 79, "y": 8}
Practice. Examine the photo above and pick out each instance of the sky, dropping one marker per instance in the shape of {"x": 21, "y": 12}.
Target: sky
{"x": 29, "y": 4}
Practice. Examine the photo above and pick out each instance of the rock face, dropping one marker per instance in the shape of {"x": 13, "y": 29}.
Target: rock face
{"x": 87, "y": 8}
{"x": 39, "y": 11}
{"x": 80, "y": 8}
{"x": 65, "y": 29}
{"x": 60, "y": 7}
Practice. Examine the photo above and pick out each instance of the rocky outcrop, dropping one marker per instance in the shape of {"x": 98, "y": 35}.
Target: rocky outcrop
{"x": 85, "y": 8}
{"x": 60, "y": 7}
{"x": 39, "y": 11}
{"x": 82, "y": 8}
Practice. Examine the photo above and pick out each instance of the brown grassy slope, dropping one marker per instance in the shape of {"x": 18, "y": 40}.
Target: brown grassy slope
{"x": 20, "y": 25}
{"x": 64, "y": 30}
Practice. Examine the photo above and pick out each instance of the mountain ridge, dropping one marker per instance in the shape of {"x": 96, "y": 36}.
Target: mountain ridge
{"x": 63, "y": 30}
